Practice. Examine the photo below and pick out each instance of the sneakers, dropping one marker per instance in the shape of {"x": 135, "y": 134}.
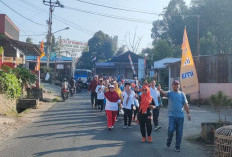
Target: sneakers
{"x": 149, "y": 139}
{"x": 110, "y": 128}
{"x": 177, "y": 149}
{"x": 124, "y": 127}
{"x": 157, "y": 128}
{"x": 143, "y": 139}
{"x": 129, "y": 126}
{"x": 168, "y": 144}
{"x": 133, "y": 119}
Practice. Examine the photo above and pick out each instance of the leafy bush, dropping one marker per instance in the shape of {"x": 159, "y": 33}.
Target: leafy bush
{"x": 217, "y": 101}
{"x": 25, "y": 76}
{"x": 9, "y": 85}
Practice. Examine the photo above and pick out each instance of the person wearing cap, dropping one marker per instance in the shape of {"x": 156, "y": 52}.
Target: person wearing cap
{"x": 177, "y": 101}
{"x": 128, "y": 102}
{"x": 156, "y": 97}
{"x": 92, "y": 88}
{"x": 112, "y": 100}
{"x": 100, "y": 95}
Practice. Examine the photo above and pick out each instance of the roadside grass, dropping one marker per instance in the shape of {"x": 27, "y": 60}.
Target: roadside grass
{"x": 12, "y": 113}
{"x": 57, "y": 99}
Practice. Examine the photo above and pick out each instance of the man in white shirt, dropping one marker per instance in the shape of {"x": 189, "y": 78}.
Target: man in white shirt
{"x": 128, "y": 101}
{"x": 156, "y": 96}
{"x": 100, "y": 95}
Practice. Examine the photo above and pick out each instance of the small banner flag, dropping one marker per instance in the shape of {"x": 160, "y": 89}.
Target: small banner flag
{"x": 94, "y": 58}
{"x": 132, "y": 65}
{"x": 1, "y": 55}
{"x": 42, "y": 49}
{"x": 188, "y": 74}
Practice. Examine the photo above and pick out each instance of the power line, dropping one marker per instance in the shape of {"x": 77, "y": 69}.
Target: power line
{"x": 34, "y": 34}
{"x": 21, "y": 14}
{"x": 60, "y": 19}
{"x": 111, "y": 16}
{"x": 115, "y": 8}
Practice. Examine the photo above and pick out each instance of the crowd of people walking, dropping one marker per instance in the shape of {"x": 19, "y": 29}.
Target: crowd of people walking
{"x": 140, "y": 103}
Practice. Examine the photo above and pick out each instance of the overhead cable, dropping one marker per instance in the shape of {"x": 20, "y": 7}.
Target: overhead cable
{"x": 22, "y": 15}
{"x": 110, "y": 16}
{"x": 122, "y": 9}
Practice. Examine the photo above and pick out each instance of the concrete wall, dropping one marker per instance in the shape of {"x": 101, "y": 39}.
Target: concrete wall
{"x": 6, "y": 104}
{"x": 207, "y": 89}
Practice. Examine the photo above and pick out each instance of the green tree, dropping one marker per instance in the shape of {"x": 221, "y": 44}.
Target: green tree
{"x": 214, "y": 25}
{"x": 100, "y": 46}
{"x": 29, "y": 40}
{"x": 172, "y": 25}
{"x": 85, "y": 61}
{"x": 208, "y": 44}
{"x": 162, "y": 49}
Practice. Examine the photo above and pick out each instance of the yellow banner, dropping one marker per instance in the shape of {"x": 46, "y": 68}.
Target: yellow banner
{"x": 42, "y": 49}
{"x": 1, "y": 55}
{"x": 188, "y": 74}
{"x": 8, "y": 59}
{"x": 19, "y": 60}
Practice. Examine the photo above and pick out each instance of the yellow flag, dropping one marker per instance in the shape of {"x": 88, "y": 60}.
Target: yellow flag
{"x": 1, "y": 55}
{"x": 188, "y": 74}
{"x": 1, "y": 50}
{"x": 42, "y": 49}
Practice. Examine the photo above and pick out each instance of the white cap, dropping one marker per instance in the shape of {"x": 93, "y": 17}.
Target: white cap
{"x": 111, "y": 86}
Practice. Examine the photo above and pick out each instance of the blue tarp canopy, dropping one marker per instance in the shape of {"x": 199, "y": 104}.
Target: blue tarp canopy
{"x": 52, "y": 59}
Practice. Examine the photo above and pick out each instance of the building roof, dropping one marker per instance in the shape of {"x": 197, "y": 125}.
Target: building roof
{"x": 160, "y": 64}
{"x": 10, "y": 46}
{"x": 124, "y": 57}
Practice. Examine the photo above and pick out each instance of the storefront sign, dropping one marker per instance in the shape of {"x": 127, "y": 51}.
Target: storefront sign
{"x": 18, "y": 60}
{"x": 8, "y": 59}
{"x": 73, "y": 47}
{"x": 60, "y": 66}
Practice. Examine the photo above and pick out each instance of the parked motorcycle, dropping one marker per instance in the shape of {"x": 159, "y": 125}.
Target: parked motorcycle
{"x": 78, "y": 87}
{"x": 64, "y": 93}
{"x": 72, "y": 91}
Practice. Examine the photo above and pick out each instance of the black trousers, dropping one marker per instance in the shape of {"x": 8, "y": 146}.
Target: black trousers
{"x": 145, "y": 124}
{"x": 100, "y": 103}
{"x": 94, "y": 98}
{"x": 127, "y": 115}
{"x": 156, "y": 115}
{"x": 136, "y": 111}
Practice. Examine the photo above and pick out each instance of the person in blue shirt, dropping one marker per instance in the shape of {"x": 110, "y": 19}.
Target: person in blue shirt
{"x": 177, "y": 101}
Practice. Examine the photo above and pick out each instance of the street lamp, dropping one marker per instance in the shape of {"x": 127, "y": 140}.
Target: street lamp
{"x": 60, "y": 30}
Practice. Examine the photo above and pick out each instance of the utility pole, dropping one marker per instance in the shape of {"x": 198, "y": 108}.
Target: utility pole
{"x": 52, "y": 4}
{"x": 198, "y": 53}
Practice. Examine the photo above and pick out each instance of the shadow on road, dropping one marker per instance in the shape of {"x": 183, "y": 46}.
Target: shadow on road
{"x": 81, "y": 131}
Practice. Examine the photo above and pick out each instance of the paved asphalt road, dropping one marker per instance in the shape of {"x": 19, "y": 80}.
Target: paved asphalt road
{"x": 72, "y": 129}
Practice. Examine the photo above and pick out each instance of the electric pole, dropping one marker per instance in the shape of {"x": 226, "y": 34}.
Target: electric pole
{"x": 52, "y": 4}
{"x": 198, "y": 54}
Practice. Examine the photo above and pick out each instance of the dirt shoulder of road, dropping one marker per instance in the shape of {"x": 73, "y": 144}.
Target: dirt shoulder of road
{"x": 9, "y": 125}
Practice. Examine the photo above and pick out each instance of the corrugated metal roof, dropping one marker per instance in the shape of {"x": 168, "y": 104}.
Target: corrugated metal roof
{"x": 161, "y": 63}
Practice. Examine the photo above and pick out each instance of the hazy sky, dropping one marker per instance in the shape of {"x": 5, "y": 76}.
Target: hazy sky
{"x": 84, "y": 25}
